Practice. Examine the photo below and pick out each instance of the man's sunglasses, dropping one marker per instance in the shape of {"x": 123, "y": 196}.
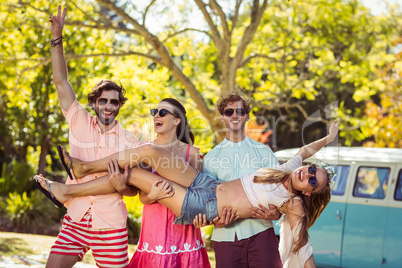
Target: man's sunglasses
{"x": 113, "y": 102}
{"x": 162, "y": 112}
{"x": 312, "y": 180}
{"x": 230, "y": 112}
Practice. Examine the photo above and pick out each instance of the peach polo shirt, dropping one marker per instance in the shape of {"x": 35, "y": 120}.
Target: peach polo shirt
{"x": 87, "y": 143}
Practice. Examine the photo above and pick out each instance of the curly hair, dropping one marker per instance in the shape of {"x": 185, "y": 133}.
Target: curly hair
{"x": 232, "y": 97}
{"x": 106, "y": 85}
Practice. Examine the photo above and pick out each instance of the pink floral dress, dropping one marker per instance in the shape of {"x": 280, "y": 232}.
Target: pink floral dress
{"x": 165, "y": 244}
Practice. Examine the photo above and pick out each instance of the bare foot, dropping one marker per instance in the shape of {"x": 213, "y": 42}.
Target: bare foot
{"x": 56, "y": 188}
{"x": 77, "y": 166}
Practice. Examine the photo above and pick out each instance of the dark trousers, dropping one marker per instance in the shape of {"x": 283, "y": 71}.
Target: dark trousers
{"x": 260, "y": 250}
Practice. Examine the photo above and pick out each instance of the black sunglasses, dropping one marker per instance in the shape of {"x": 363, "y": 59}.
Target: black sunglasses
{"x": 230, "y": 111}
{"x": 312, "y": 180}
{"x": 113, "y": 102}
{"x": 162, "y": 112}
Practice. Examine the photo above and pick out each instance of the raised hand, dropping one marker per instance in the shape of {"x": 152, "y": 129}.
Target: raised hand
{"x": 333, "y": 131}
{"x": 57, "y": 22}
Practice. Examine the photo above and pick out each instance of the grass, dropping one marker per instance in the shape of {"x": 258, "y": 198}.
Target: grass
{"x": 16, "y": 244}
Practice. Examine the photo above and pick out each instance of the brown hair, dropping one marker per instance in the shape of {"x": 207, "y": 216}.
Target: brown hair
{"x": 232, "y": 97}
{"x": 313, "y": 205}
{"x": 106, "y": 85}
{"x": 183, "y": 130}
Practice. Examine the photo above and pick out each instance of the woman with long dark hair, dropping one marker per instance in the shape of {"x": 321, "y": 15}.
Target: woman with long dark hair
{"x": 163, "y": 243}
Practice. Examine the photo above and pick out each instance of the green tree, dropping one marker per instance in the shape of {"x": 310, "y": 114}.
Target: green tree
{"x": 385, "y": 111}
{"x": 123, "y": 19}
{"x": 293, "y": 58}
{"x": 31, "y": 119}
{"x": 312, "y": 54}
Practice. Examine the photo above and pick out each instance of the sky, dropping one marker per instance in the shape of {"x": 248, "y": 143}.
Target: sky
{"x": 378, "y": 7}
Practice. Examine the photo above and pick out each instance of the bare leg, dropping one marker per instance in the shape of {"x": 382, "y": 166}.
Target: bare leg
{"x": 143, "y": 179}
{"x": 139, "y": 178}
{"x": 61, "y": 261}
{"x": 63, "y": 192}
{"x": 168, "y": 165}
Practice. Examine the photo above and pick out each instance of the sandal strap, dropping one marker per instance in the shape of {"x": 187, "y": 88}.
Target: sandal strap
{"x": 48, "y": 187}
{"x": 70, "y": 166}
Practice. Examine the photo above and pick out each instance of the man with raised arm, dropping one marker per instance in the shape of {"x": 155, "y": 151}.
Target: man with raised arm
{"x": 245, "y": 242}
{"x": 92, "y": 222}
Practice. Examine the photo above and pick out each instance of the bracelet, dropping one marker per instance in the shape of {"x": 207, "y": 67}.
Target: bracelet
{"x": 57, "y": 41}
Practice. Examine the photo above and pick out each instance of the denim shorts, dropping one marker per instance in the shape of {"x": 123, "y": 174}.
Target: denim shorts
{"x": 200, "y": 198}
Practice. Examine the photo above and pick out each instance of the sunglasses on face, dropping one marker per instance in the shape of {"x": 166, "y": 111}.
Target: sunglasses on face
{"x": 230, "y": 112}
{"x": 312, "y": 180}
{"x": 113, "y": 102}
{"x": 162, "y": 112}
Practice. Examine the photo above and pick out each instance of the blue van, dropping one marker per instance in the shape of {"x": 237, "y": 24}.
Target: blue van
{"x": 362, "y": 225}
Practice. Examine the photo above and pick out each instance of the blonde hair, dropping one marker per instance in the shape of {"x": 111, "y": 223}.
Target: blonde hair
{"x": 313, "y": 205}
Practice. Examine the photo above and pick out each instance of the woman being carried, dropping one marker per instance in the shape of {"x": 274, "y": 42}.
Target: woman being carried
{"x": 300, "y": 192}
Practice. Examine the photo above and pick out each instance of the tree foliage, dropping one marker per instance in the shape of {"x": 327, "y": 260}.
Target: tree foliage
{"x": 385, "y": 112}
{"x": 317, "y": 53}
{"x": 300, "y": 62}
{"x": 32, "y": 121}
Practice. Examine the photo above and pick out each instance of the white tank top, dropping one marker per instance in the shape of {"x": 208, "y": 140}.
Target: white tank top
{"x": 269, "y": 193}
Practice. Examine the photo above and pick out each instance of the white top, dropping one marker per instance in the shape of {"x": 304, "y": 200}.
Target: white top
{"x": 277, "y": 194}
{"x": 269, "y": 193}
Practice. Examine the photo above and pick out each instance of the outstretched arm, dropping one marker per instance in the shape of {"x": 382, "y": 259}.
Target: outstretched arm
{"x": 311, "y": 148}
{"x": 64, "y": 89}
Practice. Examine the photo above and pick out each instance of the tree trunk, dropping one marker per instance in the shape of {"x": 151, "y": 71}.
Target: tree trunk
{"x": 218, "y": 128}
{"x": 43, "y": 153}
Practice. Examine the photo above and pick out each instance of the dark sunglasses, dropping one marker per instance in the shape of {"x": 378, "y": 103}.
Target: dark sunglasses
{"x": 162, "y": 112}
{"x": 230, "y": 111}
{"x": 312, "y": 180}
{"x": 113, "y": 102}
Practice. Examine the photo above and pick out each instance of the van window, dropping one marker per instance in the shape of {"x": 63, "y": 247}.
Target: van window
{"x": 398, "y": 190}
{"x": 340, "y": 179}
{"x": 371, "y": 182}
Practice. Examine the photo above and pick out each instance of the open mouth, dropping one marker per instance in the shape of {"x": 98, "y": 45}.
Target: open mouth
{"x": 107, "y": 114}
{"x": 158, "y": 124}
{"x": 300, "y": 175}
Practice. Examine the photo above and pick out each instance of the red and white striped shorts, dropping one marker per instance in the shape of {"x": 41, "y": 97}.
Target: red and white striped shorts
{"x": 109, "y": 246}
